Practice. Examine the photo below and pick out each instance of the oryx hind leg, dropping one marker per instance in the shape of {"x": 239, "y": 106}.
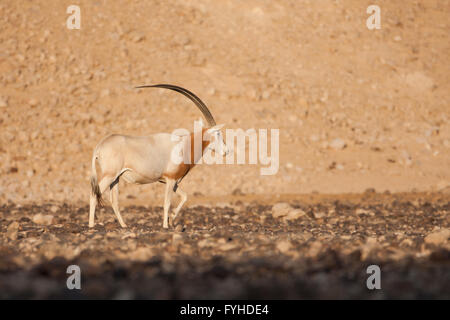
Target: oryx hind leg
{"x": 114, "y": 196}
{"x": 103, "y": 185}
{"x": 92, "y": 206}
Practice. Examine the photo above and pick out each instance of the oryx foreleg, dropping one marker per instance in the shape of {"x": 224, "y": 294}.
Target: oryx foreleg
{"x": 168, "y": 196}
{"x": 183, "y": 196}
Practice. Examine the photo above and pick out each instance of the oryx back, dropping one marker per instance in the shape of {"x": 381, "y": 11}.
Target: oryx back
{"x": 138, "y": 160}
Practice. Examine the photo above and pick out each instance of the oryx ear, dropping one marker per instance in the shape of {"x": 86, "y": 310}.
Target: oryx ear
{"x": 201, "y": 122}
{"x": 215, "y": 128}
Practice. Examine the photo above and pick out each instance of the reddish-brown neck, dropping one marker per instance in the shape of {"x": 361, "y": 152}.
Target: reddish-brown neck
{"x": 196, "y": 157}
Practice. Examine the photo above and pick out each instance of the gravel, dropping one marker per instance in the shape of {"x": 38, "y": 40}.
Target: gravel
{"x": 233, "y": 251}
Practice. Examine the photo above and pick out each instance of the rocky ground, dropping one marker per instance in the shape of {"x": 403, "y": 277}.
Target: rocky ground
{"x": 310, "y": 247}
{"x": 362, "y": 114}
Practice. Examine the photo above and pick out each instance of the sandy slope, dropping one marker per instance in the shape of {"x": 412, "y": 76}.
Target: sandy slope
{"x": 309, "y": 68}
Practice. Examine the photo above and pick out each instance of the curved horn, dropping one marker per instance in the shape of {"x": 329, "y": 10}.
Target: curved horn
{"x": 199, "y": 103}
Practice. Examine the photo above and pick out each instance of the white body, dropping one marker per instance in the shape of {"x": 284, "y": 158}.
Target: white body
{"x": 138, "y": 160}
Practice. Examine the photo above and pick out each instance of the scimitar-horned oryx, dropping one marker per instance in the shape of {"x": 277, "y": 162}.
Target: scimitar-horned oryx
{"x": 148, "y": 159}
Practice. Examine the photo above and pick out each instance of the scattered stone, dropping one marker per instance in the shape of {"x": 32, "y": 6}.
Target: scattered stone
{"x": 332, "y": 166}
{"x": 407, "y": 243}
{"x": 205, "y": 243}
{"x": 3, "y": 102}
{"x": 319, "y": 214}
{"x": 370, "y": 245}
{"x": 438, "y": 237}
{"x": 13, "y": 230}
{"x": 141, "y": 254}
{"x": 289, "y": 165}
{"x": 281, "y": 209}
{"x": 109, "y": 226}
{"x": 406, "y": 158}
{"x": 370, "y": 191}
{"x": 433, "y": 131}
{"x": 266, "y": 95}
{"x": 295, "y": 214}
{"x": 13, "y": 170}
{"x": 180, "y": 228}
{"x": 129, "y": 235}
{"x": 338, "y": 144}
{"x": 284, "y": 246}
{"x": 238, "y": 192}
{"x": 137, "y": 38}
{"x": 314, "y": 249}
{"x": 33, "y": 102}
{"x": 227, "y": 246}
{"x": 177, "y": 239}
{"x": 105, "y": 93}
{"x": 43, "y": 219}
{"x": 361, "y": 211}
{"x": 419, "y": 81}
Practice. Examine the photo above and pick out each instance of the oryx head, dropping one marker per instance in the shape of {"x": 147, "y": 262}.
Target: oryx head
{"x": 215, "y": 136}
